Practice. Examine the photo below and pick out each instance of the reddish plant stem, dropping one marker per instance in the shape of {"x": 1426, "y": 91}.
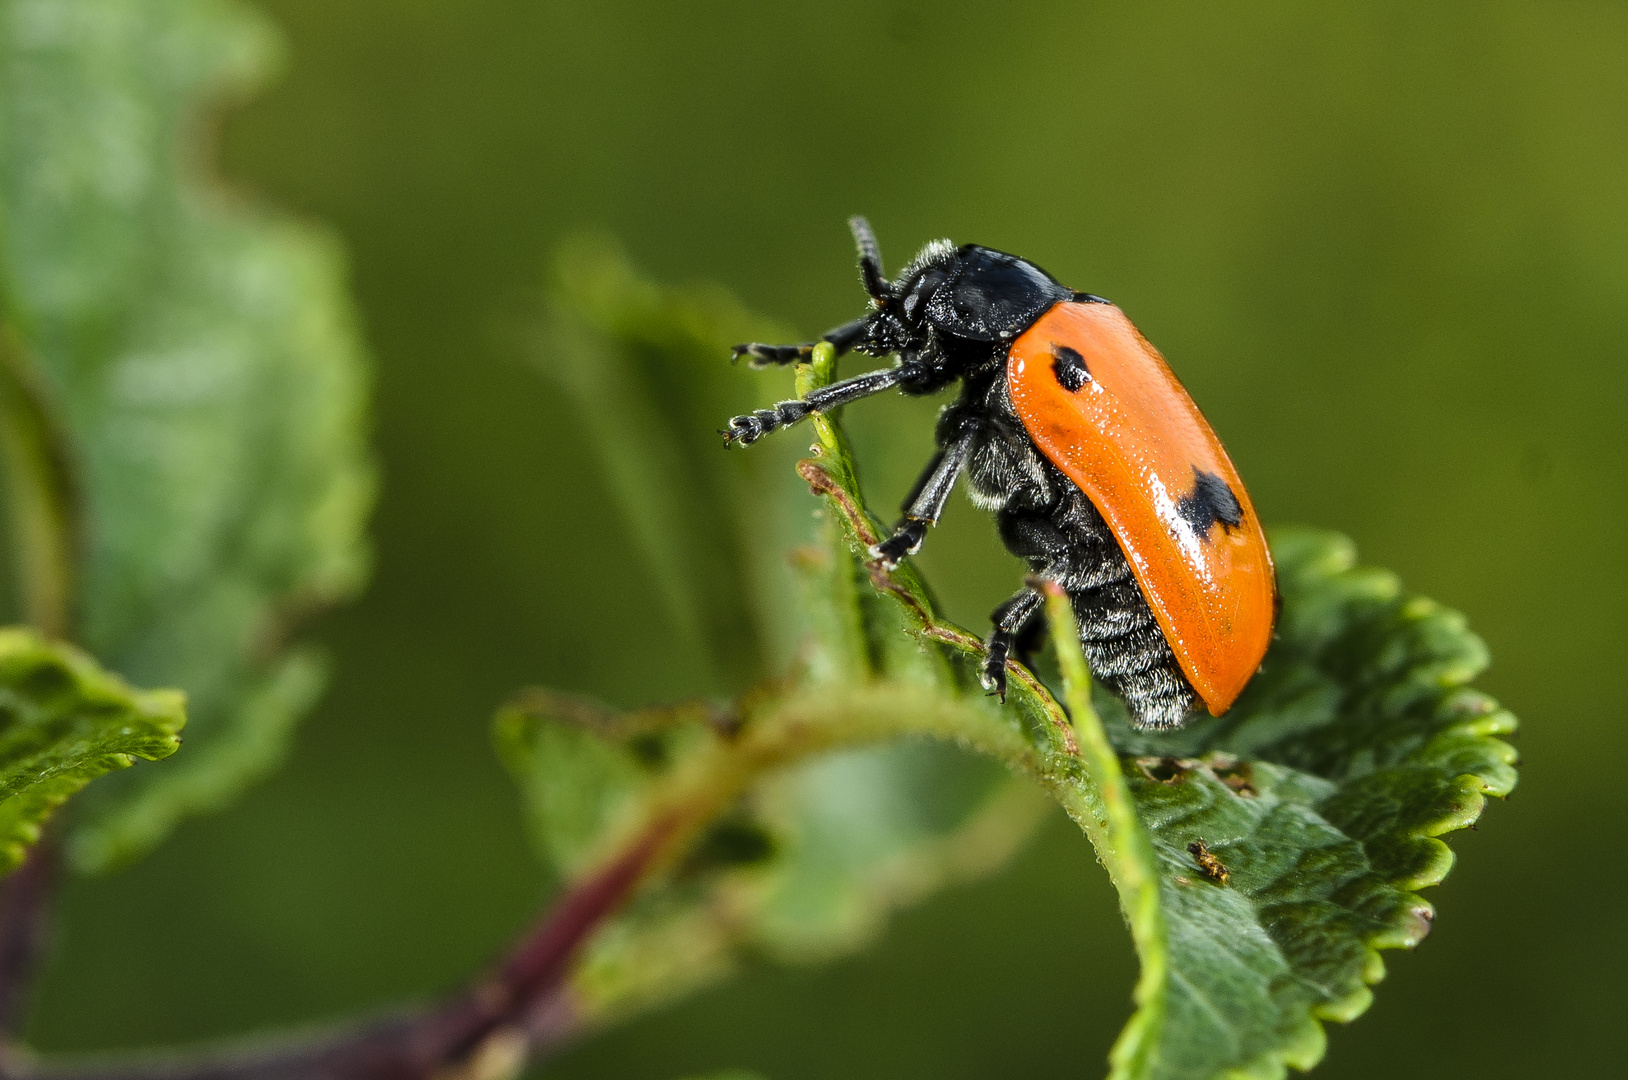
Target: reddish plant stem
{"x": 25, "y": 909}
{"x": 519, "y": 1009}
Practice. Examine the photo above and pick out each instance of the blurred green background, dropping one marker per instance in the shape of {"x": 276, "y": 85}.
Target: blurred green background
{"x": 1385, "y": 245}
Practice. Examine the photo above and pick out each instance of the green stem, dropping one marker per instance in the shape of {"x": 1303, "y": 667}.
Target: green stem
{"x": 42, "y": 494}
{"x": 1120, "y": 840}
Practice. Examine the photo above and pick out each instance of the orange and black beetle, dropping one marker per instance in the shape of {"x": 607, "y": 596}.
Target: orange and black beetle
{"x": 1099, "y": 468}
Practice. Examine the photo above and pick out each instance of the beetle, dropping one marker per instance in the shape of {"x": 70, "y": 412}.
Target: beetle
{"x": 1098, "y": 466}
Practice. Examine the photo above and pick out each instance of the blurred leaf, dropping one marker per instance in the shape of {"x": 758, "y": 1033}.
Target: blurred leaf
{"x": 811, "y": 865}
{"x": 1262, "y": 859}
{"x": 63, "y": 723}
{"x": 812, "y": 862}
{"x": 806, "y": 864}
{"x": 645, "y": 368}
{"x": 204, "y": 362}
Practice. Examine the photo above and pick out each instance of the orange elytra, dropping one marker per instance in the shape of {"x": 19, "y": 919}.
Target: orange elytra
{"x": 1135, "y": 443}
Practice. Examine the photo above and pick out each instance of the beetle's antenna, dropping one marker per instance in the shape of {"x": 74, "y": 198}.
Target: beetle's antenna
{"x": 870, "y": 260}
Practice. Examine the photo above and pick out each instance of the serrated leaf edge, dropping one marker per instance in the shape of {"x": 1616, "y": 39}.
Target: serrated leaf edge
{"x": 831, "y": 473}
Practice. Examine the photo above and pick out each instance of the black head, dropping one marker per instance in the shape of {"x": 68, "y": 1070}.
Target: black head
{"x": 967, "y": 294}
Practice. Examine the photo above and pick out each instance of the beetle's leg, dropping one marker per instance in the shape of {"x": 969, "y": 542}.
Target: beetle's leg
{"x": 925, "y": 502}
{"x": 842, "y": 339}
{"x": 1010, "y": 619}
{"x": 1029, "y": 640}
{"x": 753, "y": 426}
{"x": 1034, "y": 537}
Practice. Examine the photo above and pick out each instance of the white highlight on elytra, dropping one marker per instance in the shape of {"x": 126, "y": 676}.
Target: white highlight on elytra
{"x": 1192, "y": 545}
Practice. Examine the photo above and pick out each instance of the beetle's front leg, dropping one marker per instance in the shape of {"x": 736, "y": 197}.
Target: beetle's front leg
{"x": 842, "y": 339}
{"x": 750, "y": 427}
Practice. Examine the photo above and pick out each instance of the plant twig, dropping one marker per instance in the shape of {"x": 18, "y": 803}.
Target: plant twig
{"x": 24, "y": 909}
{"x": 1120, "y": 840}
{"x": 487, "y": 1031}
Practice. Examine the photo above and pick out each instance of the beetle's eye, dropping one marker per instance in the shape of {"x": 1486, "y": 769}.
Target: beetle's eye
{"x": 915, "y": 298}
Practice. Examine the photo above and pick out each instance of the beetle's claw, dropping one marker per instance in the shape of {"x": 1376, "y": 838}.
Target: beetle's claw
{"x": 742, "y": 431}
{"x": 993, "y": 678}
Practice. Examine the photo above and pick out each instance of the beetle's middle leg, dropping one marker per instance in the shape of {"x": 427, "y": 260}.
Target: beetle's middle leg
{"x": 925, "y": 503}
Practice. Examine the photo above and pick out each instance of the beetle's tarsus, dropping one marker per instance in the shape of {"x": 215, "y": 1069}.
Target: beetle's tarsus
{"x": 905, "y": 541}
{"x": 764, "y": 355}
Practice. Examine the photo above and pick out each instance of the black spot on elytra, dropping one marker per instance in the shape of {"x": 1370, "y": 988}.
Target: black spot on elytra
{"x": 1210, "y": 501}
{"x": 1069, "y": 367}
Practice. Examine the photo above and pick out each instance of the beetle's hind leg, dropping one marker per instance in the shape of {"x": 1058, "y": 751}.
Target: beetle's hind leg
{"x": 1034, "y": 538}
{"x": 1013, "y": 621}
{"x": 1030, "y": 639}
{"x": 842, "y": 339}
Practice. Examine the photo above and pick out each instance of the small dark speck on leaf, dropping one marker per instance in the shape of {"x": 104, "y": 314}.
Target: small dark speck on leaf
{"x": 1212, "y": 867}
{"x": 649, "y": 749}
{"x": 735, "y": 840}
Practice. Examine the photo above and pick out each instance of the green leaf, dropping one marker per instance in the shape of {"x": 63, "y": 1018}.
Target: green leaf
{"x": 203, "y": 362}
{"x": 1322, "y": 793}
{"x": 1262, "y": 859}
{"x": 634, "y": 356}
{"x": 812, "y": 860}
{"x": 63, "y": 723}
{"x": 811, "y": 863}
{"x": 1319, "y": 797}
